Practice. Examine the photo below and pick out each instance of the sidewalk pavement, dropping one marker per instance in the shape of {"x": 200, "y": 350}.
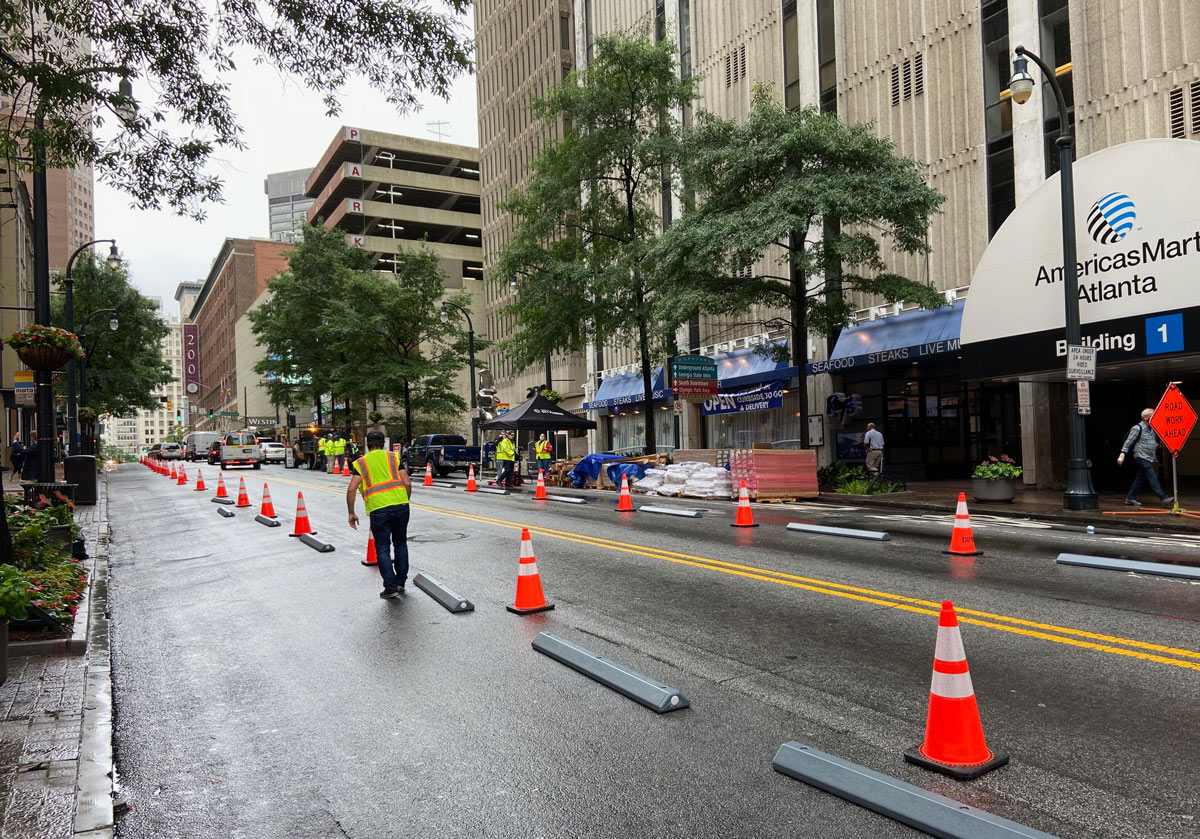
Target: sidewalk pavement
{"x": 1040, "y": 504}
{"x": 56, "y": 721}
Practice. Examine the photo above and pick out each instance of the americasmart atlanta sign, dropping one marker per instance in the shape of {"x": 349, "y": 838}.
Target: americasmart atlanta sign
{"x": 1138, "y": 266}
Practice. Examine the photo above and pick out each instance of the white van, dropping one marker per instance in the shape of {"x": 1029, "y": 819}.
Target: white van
{"x": 196, "y": 444}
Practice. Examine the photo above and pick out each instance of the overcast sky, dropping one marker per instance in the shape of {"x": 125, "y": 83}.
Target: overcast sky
{"x": 285, "y": 128}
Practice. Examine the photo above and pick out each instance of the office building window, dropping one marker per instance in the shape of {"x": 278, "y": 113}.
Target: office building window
{"x": 1002, "y": 198}
{"x": 826, "y": 57}
{"x": 791, "y": 57}
{"x": 1056, "y": 51}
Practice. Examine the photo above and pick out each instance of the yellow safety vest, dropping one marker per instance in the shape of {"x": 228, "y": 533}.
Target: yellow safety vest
{"x": 543, "y": 449}
{"x": 381, "y": 485}
{"x": 321, "y": 445}
{"x": 339, "y": 448}
{"x": 505, "y": 450}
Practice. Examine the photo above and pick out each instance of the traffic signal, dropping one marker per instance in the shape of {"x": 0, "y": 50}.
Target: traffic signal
{"x": 169, "y": 403}
{"x": 210, "y": 413}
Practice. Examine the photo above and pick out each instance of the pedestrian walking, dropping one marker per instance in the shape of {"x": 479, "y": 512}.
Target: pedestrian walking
{"x": 29, "y": 467}
{"x": 16, "y": 456}
{"x": 873, "y": 441}
{"x": 544, "y": 452}
{"x": 506, "y": 456}
{"x": 385, "y": 487}
{"x": 1143, "y": 442}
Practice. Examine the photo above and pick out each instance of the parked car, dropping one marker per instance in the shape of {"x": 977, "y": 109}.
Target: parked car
{"x": 445, "y": 452}
{"x": 170, "y": 451}
{"x": 272, "y": 452}
{"x": 155, "y": 452}
{"x": 240, "y": 448}
{"x": 214, "y": 452}
{"x": 197, "y": 444}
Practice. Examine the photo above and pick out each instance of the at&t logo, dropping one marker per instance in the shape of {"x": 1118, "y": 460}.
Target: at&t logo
{"x": 1111, "y": 218}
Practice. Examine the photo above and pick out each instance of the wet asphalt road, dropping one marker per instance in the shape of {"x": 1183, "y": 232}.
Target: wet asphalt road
{"x": 263, "y": 689}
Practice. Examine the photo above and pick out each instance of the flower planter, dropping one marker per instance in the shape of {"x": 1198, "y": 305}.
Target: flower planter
{"x": 994, "y": 489}
{"x": 44, "y": 357}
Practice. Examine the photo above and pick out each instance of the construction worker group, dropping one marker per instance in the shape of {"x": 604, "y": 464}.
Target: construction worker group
{"x": 333, "y": 450}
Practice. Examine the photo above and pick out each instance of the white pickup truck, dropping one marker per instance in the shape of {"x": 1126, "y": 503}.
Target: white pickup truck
{"x": 240, "y": 448}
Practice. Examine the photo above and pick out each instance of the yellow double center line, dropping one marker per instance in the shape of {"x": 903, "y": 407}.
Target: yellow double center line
{"x": 1187, "y": 659}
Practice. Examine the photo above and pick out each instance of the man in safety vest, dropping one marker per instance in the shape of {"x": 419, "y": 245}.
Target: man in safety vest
{"x": 322, "y": 447}
{"x": 339, "y": 449}
{"x": 506, "y": 456}
{"x": 385, "y": 486}
{"x": 544, "y": 450}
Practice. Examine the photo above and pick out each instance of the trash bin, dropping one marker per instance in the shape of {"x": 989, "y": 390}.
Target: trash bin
{"x": 52, "y": 494}
{"x": 81, "y": 469}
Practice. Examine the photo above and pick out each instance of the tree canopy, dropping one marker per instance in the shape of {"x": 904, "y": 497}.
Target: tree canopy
{"x": 125, "y": 367}
{"x": 585, "y": 222}
{"x": 155, "y": 141}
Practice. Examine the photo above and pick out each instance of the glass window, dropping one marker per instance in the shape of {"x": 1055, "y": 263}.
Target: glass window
{"x": 826, "y": 56}
{"x": 791, "y": 57}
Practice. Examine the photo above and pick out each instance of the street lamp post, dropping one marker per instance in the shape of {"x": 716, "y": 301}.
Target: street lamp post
{"x": 114, "y": 262}
{"x": 445, "y": 316}
{"x": 1080, "y": 494}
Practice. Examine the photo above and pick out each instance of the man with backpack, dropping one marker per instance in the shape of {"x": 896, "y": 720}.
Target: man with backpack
{"x": 1142, "y": 440}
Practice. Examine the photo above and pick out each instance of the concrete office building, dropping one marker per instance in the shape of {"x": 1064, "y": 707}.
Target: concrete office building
{"x": 16, "y": 291}
{"x": 933, "y": 78}
{"x": 137, "y": 433}
{"x": 287, "y": 205}
{"x": 389, "y": 192}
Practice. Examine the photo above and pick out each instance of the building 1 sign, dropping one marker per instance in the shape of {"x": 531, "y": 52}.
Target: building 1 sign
{"x": 1138, "y": 239}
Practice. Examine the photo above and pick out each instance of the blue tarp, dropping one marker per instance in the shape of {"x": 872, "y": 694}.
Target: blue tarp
{"x": 627, "y": 390}
{"x": 748, "y": 367}
{"x": 892, "y": 340}
{"x": 635, "y": 471}
{"x": 587, "y": 470}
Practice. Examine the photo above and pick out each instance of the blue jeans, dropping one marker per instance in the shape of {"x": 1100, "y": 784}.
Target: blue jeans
{"x": 1145, "y": 475}
{"x": 389, "y": 526}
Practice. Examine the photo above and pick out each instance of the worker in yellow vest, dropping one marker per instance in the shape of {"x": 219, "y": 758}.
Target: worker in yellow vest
{"x": 385, "y": 489}
{"x": 544, "y": 452}
{"x": 322, "y": 446}
{"x": 506, "y": 457}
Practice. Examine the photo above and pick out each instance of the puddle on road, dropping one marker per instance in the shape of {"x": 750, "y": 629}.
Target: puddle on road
{"x": 438, "y": 537}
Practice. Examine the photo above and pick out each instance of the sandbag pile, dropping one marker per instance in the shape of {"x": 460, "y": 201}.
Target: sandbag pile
{"x": 691, "y": 480}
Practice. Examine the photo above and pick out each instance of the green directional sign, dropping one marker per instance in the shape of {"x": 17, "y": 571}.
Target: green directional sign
{"x": 229, "y": 413}
{"x": 694, "y": 377}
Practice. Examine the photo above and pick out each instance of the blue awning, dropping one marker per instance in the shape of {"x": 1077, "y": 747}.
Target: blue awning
{"x": 627, "y": 390}
{"x": 747, "y": 367}
{"x": 895, "y": 340}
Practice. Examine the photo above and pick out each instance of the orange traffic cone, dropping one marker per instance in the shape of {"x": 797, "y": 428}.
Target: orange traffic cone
{"x": 221, "y": 493}
{"x": 243, "y": 499}
{"x": 346, "y": 468}
{"x": 182, "y": 480}
{"x": 302, "y": 525}
{"x": 200, "y": 487}
{"x": 174, "y": 475}
{"x": 540, "y": 492}
{"x": 268, "y": 509}
{"x": 745, "y": 518}
{"x": 428, "y": 474}
{"x": 954, "y": 743}
{"x": 471, "y": 485}
{"x": 530, "y": 598}
{"x": 371, "y": 559}
{"x": 625, "y": 502}
{"x": 962, "y": 540}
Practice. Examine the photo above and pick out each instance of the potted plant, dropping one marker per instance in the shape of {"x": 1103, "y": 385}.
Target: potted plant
{"x": 45, "y": 347}
{"x": 996, "y": 479}
{"x": 14, "y": 600}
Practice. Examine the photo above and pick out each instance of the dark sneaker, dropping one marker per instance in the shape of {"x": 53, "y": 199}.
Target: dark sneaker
{"x": 1169, "y": 500}
{"x": 1133, "y": 502}
{"x": 389, "y": 594}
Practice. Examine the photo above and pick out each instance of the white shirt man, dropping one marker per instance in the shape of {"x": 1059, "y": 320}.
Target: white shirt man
{"x": 873, "y": 441}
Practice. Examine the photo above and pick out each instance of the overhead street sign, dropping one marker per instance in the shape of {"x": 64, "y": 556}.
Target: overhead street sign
{"x": 1081, "y": 363}
{"x": 229, "y": 413}
{"x": 1173, "y": 419}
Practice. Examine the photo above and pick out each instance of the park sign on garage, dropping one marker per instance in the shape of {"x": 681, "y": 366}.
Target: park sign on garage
{"x": 693, "y": 377}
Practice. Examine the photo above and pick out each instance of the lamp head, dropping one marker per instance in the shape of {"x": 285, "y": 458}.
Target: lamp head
{"x": 445, "y": 316}
{"x": 1021, "y": 83}
{"x": 113, "y": 324}
{"x": 114, "y": 257}
{"x": 512, "y": 285}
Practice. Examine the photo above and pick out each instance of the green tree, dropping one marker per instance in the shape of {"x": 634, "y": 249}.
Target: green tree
{"x": 175, "y": 434}
{"x": 390, "y": 326}
{"x": 125, "y": 367}
{"x": 586, "y": 221}
{"x": 155, "y": 141}
{"x": 801, "y": 183}
{"x": 293, "y": 326}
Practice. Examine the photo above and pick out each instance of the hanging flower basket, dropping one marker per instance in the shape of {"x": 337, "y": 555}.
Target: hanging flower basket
{"x": 45, "y": 347}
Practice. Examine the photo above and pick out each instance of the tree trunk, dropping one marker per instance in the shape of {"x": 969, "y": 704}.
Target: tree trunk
{"x": 408, "y": 432}
{"x": 648, "y": 384}
{"x": 318, "y": 409}
{"x": 799, "y": 336}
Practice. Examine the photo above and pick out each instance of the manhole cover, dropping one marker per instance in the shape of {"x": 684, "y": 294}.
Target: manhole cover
{"x": 438, "y": 537}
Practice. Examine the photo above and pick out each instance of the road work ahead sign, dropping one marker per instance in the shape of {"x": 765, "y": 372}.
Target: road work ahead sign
{"x": 1173, "y": 419}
